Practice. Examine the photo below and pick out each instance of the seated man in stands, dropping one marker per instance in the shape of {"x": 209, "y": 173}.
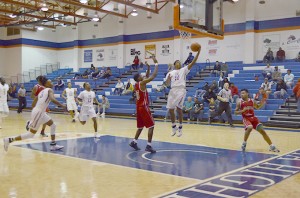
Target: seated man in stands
{"x": 197, "y": 111}
{"x": 298, "y": 58}
{"x": 267, "y": 72}
{"x": 276, "y": 74}
{"x": 214, "y": 86}
{"x": 93, "y": 68}
{"x": 128, "y": 89}
{"x": 107, "y": 73}
{"x": 119, "y": 87}
{"x": 86, "y": 73}
{"x": 266, "y": 85}
{"x": 261, "y": 97}
{"x": 59, "y": 85}
{"x": 187, "y": 107}
{"x": 209, "y": 95}
{"x": 217, "y": 68}
{"x": 281, "y": 90}
{"x": 289, "y": 79}
{"x": 201, "y": 91}
{"x": 189, "y": 59}
{"x": 269, "y": 57}
{"x": 280, "y": 55}
{"x": 224, "y": 68}
{"x": 94, "y": 74}
{"x": 234, "y": 92}
{"x": 104, "y": 105}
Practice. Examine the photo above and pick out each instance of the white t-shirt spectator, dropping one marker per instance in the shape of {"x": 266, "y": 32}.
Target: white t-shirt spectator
{"x": 120, "y": 85}
{"x": 289, "y": 78}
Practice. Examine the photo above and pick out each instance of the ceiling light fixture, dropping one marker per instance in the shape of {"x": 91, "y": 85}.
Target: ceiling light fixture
{"x": 40, "y": 28}
{"x": 44, "y": 7}
{"x": 83, "y": 1}
{"x": 181, "y": 6}
{"x": 12, "y": 16}
{"x": 235, "y": 0}
{"x": 134, "y": 13}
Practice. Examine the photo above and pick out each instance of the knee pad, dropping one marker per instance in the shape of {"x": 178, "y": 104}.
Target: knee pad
{"x": 27, "y": 135}
{"x": 53, "y": 129}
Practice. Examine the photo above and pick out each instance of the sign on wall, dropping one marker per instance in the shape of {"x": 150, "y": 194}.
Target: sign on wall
{"x": 100, "y": 54}
{"x": 292, "y": 42}
{"x": 112, "y": 54}
{"x": 165, "y": 50}
{"x": 134, "y": 52}
{"x": 88, "y": 56}
{"x": 150, "y": 50}
{"x": 271, "y": 41}
{"x": 212, "y": 47}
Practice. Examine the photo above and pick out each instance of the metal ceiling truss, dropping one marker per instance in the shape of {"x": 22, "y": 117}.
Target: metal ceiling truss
{"x": 70, "y": 12}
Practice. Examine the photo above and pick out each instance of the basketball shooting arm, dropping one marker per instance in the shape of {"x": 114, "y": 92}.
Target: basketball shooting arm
{"x": 148, "y": 69}
{"x": 52, "y": 99}
{"x": 194, "y": 60}
{"x": 154, "y": 74}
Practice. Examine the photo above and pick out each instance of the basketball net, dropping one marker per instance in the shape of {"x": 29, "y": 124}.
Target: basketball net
{"x": 185, "y": 36}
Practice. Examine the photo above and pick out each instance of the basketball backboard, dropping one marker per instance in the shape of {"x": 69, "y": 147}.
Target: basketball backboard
{"x": 200, "y": 17}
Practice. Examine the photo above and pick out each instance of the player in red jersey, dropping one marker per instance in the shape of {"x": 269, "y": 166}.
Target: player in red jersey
{"x": 143, "y": 114}
{"x": 34, "y": 93}
{"x": 245, "y": 107}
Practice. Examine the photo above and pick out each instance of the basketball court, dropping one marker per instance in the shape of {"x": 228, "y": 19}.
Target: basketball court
{"x": 206, "y": 161}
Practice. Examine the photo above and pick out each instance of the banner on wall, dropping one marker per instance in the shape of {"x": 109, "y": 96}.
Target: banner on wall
{"x": 100, "y": 54}
{"x": 292, "y": 43}
{"x": 112, "y": 54}
{"x": 149, "y": 51}
{"x": 212, "y": 47}
{"x": 165, "y": 50}
{"x": 271, "y": 41}
{"x": 88, "y": 56}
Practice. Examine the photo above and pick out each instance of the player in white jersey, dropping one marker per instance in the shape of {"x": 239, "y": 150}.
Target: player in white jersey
{"x": 86, "y": 99}
{"x": 4, "y": 110}
{"x": 39, "y": 117}
{"x": 69, "y": 95}
{"x": 176, "y": 96}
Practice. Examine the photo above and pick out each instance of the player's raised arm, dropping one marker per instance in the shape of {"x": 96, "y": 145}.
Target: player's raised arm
{"x": 195, "y": 59}
{"x": 154, "y": 74}
{"x": 148, "y": 70}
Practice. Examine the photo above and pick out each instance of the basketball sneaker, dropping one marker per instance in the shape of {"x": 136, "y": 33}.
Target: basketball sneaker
{"x": 55, "y": 147}
{"x": 43, "y": 135}
{"x": 150, "y": 149}
{"x": 27, "y": 125}
{"x": 179, "y": 131}
{"x": 6, "y": 143}
{"x": 134, "y": 146}
{"x": 174, "y": 130}
{"x": 244, "y": 146}
{"x": 274, "y": 149}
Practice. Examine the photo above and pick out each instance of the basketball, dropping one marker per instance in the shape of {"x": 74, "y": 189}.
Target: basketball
{"x": 195, "y": 47}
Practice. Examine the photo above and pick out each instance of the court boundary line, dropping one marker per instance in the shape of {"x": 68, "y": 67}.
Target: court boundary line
{"x": 230, "y": 172}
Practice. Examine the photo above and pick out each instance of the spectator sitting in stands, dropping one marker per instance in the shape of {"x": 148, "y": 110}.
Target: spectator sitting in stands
{"x": 59, "y": 85}
{"x": 289, "y": 79}
{"x": 142, "y": 65}
{"x": 234, "y": 92}
{"x": 209, "y": 95}
{"x": 269, "y": 57}
{"x": 86, "y": 73}
{"x": 296, "y": 92}
{"x": 136, "y": 63}
{"x": 276, "y": 74}
{"x": 298, "y": 58}
{"x": 119, "y": 87}
{"x": 104, "y": 105}
{"x": 107, "y": 73}
{"x": 128, "y": 89}
{"x": 198, "y": 110}
{"x": 261, "y": 97}
{"x": 93, "y": 68}
{"x": 214, "y": 86}
{"x": 94, "y": 74}
{"x": 224, "y": 68}
{"x": 201, "y": 91}
{"x": 281, "y": 90}
{"x": 217, "y": 68}
{"x": 12, "y": 91}
{"x": 189, "y": 59}
{"x": 221, "y": 83}
{"x": 267, "y": 72}
{"x": 187, "y": 107}
{"x": 266, "y": 85}
{"x": 280, "y": 55}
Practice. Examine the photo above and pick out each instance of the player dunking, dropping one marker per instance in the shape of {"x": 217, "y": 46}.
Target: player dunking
{"x": 246, "y": 107}
{"x": 86, "y": 99}
{"x": 143, "y": 114}
{"x": 34, "y": 93}
{"x": 39, "y": 116}
{"x": 69, "y": 95}
{"x": 176, "y": 96}
{"x": 4, "y": 110}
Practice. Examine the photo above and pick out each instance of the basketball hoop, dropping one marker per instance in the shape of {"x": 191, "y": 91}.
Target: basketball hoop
{"x": 185, "y": 35}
